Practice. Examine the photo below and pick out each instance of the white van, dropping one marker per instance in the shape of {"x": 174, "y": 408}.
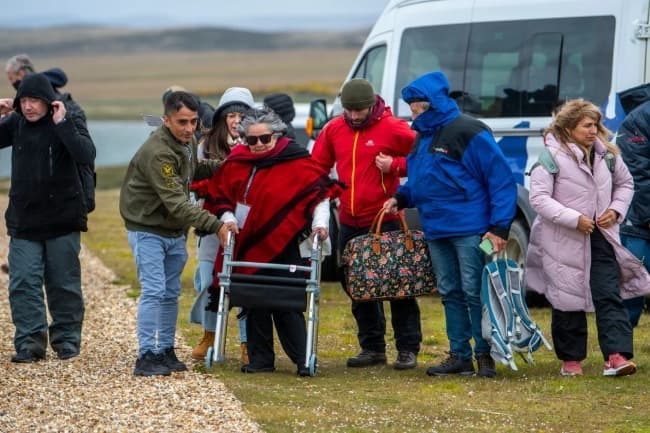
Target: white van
{"x": 509, "y": 63}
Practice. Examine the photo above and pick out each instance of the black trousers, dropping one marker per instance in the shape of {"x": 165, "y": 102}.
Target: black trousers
{"x": 292, "y": 334}
{"x": 569, "y": 328}
{"x": 370, "y": 317}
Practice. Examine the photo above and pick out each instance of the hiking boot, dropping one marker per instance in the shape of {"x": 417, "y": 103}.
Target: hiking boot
{"x": 244, "y": 353}
{"x": 486, "y": 367}
{"x": 151, "y": 364}
{"x": 172, "y": 362}
{"x": 571, "y": 368}
{"x": 207, "y": 341}
{"x": 618, "y": 365}
{"x": 366, "y": 358}
{"x": 452, "y": 365}
{"x": 26, "y": 357}
{"x": 405, "y": 360}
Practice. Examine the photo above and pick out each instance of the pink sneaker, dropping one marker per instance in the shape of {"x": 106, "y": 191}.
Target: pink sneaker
{"x": 571, "y": 368}
{"x": 618, "y": 365}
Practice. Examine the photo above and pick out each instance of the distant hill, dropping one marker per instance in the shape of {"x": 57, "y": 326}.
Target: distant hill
{"x": 98, "y": 40}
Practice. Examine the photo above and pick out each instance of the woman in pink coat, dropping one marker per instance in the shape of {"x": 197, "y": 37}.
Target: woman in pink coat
{"x": 575, "y": 256}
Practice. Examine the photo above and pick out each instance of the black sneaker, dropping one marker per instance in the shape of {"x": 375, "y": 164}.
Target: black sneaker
{"x": 248, "y": 368}
{"x": 486, "y": 367}
{"x": 302, "y": 371}
{"x": 26, "y": 357}
{"x": 405, "y": 360}
{"x": 172, "y": 362}
{"x": 151, "y": 364}
{"x": 452, "y": 365}
{"x": 366, "y": 358}
{"x": 67, "y": 353}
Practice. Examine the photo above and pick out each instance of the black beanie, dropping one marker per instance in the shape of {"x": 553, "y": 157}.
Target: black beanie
{"x": 357, "y": 94}
{"x": 282, "y": 104}
{"x": 34, "y": 86}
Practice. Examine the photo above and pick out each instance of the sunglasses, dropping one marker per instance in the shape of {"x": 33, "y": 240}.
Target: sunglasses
{"x": 264, "y": 138}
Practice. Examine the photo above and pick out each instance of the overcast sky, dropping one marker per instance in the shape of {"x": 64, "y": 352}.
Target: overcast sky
{"x": 249, "y": 14}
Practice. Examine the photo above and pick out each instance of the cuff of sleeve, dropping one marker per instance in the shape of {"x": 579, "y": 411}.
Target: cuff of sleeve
{"x": 228, "y": 217}
{"x": 401, "y": 200}
{"x": 499, "y": 231}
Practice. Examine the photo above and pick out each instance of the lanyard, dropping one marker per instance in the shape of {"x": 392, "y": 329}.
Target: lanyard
{"x": 248, "y": 184}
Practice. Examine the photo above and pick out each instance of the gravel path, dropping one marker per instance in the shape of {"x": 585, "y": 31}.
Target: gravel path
{"x": 97, "y": 392}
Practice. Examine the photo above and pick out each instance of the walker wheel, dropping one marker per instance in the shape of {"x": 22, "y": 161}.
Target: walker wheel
{"x": 208, "y": 357}
{"x": 313, "y": 366}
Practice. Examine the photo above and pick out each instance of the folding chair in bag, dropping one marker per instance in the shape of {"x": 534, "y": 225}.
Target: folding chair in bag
{"x": 272, "y": 292}
{"x": 506, "y": 321}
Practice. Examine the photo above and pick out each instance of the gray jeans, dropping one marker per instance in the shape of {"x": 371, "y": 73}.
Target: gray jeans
{"x": 53, "y": 263}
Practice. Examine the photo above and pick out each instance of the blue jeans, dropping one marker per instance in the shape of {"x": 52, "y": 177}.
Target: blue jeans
{"x": 159, "y": 263}
{"x": 202, "y": 280}
{"x": 641, "y": 249}
{"x": 458, "y": 264}
{"x": 53, "y": 263}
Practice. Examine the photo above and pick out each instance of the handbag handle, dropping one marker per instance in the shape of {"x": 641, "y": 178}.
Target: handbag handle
{"x": 375, "y": 228}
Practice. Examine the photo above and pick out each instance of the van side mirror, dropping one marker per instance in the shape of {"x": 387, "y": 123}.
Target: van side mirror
{"x": 317, "y": 117}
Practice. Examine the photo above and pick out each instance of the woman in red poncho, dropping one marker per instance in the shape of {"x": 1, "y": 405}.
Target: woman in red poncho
{"x": 278, "y": 196}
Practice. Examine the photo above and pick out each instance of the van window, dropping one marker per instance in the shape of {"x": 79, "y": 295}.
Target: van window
{"x": 371, "y": 66}
{"x": 514, "y": 68}
{"x": 426, "y": 49}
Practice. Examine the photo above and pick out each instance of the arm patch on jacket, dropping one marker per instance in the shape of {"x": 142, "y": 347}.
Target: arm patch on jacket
{"x": 169, "y": 174}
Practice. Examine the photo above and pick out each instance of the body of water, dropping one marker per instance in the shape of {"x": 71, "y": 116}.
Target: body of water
{"x": 116, "y": 142}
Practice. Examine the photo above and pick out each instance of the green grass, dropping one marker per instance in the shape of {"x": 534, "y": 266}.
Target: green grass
{"x": 379, "y": 399}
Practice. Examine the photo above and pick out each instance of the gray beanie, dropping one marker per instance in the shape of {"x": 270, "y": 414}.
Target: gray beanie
{"x": 357, "y": 94}
{"x": 233, "y": 99}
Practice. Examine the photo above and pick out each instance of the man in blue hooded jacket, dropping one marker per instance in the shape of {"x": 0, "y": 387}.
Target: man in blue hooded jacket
{"x": 464, "y": 190}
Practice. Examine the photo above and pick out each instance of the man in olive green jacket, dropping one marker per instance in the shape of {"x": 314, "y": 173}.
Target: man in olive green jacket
{"x": 155, "y": 204}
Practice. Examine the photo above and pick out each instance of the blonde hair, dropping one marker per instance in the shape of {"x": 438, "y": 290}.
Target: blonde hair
{"x": 568, "y": 116}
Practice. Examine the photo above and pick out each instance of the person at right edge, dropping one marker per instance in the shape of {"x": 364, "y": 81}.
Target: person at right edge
{"x": 633, "y": 139}
{"x": 575, "y": 256}
{"x": 464, "y": 190}
{"x": 369, "y": 146}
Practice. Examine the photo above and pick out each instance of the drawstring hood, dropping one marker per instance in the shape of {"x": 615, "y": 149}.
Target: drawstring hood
{"x": 34, "y": 86}
{"x": 432, "y": 88}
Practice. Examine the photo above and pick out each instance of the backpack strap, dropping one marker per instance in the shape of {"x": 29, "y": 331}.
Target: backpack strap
{"x": 547, "y": 161}
{"x": 610, "y": 160}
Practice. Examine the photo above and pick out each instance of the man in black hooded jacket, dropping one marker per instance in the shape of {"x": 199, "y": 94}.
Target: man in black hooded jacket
{"x": 47, "y": 211}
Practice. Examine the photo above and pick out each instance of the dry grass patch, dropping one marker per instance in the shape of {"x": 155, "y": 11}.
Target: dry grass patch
{"x": 123, "y": 86}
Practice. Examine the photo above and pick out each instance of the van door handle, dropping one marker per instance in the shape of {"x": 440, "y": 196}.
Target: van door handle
{"x": 518, "y": 132}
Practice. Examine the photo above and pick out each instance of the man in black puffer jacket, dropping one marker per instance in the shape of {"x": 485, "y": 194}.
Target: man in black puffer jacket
{"x": 47, "y": 211}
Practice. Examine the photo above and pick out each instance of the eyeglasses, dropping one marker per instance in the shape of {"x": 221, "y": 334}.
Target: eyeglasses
{"x": 264, "y": 138}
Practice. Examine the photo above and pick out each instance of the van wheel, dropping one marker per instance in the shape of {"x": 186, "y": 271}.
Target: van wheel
{"x": 517, "y": 248}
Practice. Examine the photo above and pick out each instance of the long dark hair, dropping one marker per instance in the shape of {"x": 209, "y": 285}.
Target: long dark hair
{"x": 216, "y": 144}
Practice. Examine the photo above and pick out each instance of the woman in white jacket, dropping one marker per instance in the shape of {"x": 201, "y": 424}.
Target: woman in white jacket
{"x": 217, "y": 144}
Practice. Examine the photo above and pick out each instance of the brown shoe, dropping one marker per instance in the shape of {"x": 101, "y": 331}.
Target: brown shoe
{"x": 198, "y": 353}
{"x": 244, "y": 353}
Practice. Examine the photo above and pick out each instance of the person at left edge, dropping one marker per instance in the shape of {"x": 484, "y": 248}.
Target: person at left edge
{"x": 45, "y": 216}
{"x": 155, "y": 206}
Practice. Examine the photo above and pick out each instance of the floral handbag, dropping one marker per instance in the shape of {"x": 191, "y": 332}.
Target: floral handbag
{"x": 388, "y": 266}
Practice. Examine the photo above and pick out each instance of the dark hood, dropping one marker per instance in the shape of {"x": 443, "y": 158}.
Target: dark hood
{"x": 56, "y": 76}
{"x": 434, "y": 88}
{"x": 34, "y": 86}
